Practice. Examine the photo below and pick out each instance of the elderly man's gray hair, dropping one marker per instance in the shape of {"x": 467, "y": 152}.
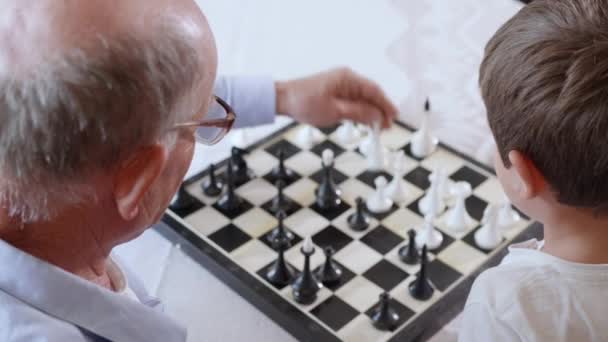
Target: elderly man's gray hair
{"x": 84, "y": 110}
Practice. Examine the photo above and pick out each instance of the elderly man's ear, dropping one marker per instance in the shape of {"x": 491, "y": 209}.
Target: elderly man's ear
{"x": 135, "y": 178}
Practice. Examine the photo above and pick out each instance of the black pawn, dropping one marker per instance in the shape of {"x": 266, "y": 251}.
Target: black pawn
{"x": 280, "y": 172}
{"x": 328, "y": 195}
{"x": 359, "y": 220}
{"x": 183, "y": 200}
{"x": 280, "y": 202}
{"x": 329, "y": 273}
{"x": 280, "y": 274}
{"x": 421, "y": 288}
{"x": 306, "y": 285}
{"x": 409, "y": 254}
{"x": 427, "y": 105}
{"x": 212, "y": 187}
{"x": 280, "y": 238}
{"x": 384, "y": 317}
{"x": 239, "y": 166}
{"x": 230, "y": 202}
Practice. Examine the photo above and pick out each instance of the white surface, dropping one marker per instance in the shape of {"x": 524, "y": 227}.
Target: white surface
{"x": 433, "y": 45}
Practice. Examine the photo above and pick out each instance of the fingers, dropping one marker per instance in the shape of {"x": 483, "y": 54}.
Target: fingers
{"x": 361, "y": 112}
{"x": 360, "y": 89}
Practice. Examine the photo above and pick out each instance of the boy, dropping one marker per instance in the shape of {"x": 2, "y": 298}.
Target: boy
{"x": 544, "y": 80}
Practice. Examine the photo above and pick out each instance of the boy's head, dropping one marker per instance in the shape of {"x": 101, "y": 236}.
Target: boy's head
{"x": 544, "y": 80}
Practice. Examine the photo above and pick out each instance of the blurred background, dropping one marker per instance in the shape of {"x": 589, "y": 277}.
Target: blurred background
{"x": 413, "y": 48}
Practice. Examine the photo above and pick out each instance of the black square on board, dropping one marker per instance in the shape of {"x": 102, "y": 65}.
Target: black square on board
{"x": 262, "y": 273}
{"x": 468, "y": 175}
{"x": 273, "y": 180}
{"x": 408, "y": 152}
{"x": 382, "y": 240}
{"x": 403, "y": 311}
{"x": 335, "y": 312}
{"x": 386, "y": 275}
{"x": 441, "y": 275}
{"x": 327, "y": 145}
{"x": 329, "y": 130}
{"x": 266, "y": 241}
{"x": 369, "y": 177}
{"x": 476, "y": 207}
{"x": 419, "y": 177}
{"x": 289, "y": 149}
{"x": 195, "y": 205}
{"x": 470, "y": 240}
{"x": 230, "y": 238}
{"x": 338, "y": 176}
{"x": 331, "y": 237}
{"x": 290, "y": 208}
{"x": 246, "y": 206}
{"x": 331, "y": 214}
{"x": 347, "y": 275}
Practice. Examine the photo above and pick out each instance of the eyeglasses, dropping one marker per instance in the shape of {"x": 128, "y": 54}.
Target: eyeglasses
{"x": 215, "y": 126}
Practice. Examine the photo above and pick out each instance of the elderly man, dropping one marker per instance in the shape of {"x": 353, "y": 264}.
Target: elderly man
{"x": 100, "y": 105}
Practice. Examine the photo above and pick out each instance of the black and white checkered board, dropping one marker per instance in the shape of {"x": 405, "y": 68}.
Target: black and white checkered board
{"x": 369, "y": 258}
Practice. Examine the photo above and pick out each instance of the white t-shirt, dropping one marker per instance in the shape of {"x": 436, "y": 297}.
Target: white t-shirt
{"x": 534, "y": 296}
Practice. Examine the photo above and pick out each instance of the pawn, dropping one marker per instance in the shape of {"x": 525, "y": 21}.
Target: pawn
{"x": 378, "y": 202}
{"x": 212, "y": 187}
{"x": 458, "y": 219}
{"x": 281, "y": 273}
{"x": 280, "y": 172}
{"x": 421, "y": 287}
{"x": 384, "y": 317}
{"x": 182, "y": 200}
{"x": 230, "y": 202}
{"x": 488, "y": 236}
{"x": 428, "y": 235}
{"x": 308, "y": 136}
{"x": 359, "y": 220}
{"x": 507, "y": 216}
{"x": 329, "y": 273}
{"x": 240, "y": 170}
{"x": 409, "y": 253}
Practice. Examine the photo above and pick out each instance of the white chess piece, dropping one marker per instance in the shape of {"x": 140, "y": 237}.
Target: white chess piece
{"x": 432, "y": 202}
{"x": 308, "y": 136}
{"x": 423, "y": 142}
{"x": 458, "y": 219}
{"x": 443, "y": 182}
{"x": 488, "y": 236}
{"x": 366, "y": 143}
{"x": 307, "y": 246}
{"x": 375, "y": 153}
{"x": 507, "y": 216}
{"x": 428, "y": 235}
{"x": 396, "y": 188}
{"x": 240, "y": 138}
{"x": 379, "y": 202}
{"x": 347, "y": 133}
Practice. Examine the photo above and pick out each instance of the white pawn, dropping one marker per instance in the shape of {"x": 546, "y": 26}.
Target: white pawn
{"x": 488, "y": 236}
{"x": 458, "y": 219}
{"x": 423, "y": 142}
{"x": 347, "y": 133}
{"x": 432, "y": 202}
{"x": 428, "y": 235}
{"x": 396, "y": 188}
{"x": 308, "y": 136}
{"x": 507, "y": 216}
{"x": 375, "y": 152}
{"x": 240, "y": 138}
{"x": 378, "y": 202}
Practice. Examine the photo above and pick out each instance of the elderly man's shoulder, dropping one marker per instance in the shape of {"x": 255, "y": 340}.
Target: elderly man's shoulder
{"x": 20, "y": 322}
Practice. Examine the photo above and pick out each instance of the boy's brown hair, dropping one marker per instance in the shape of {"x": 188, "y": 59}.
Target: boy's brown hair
{"x": 544, "y": 80}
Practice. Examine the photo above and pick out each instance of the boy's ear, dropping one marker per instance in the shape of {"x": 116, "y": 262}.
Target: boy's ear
{"x": 135, "y": 177}
{"x": 530, "y": 180}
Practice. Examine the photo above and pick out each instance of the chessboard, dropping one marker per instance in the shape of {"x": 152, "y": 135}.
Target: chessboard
{"x": 236, "y": 245}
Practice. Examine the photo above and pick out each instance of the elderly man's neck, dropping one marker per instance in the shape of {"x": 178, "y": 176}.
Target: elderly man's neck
{"x": 66, "y": 242}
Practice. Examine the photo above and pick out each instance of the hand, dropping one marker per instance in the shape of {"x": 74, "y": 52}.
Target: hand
{"x": 327, "y": 98}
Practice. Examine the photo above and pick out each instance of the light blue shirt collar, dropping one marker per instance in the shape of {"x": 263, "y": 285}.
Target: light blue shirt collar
{"x": 72, "y": 299}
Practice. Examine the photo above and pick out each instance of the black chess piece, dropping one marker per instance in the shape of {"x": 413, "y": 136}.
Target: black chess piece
{"x": 240, "y": 170}
{"x": 306, "y": 285}
{"x": 280, "y": 202}
{"x": 359, "y": 220}
{"x": 409, "y": 253}
{"x": 329, "y": 273}
{"x": 230, "y": 202}
{"x": 421, "y": 287}
{"x": 281, "y": 172}
{"x": 427, "y": 105}
{"x": 328, "y": 195}
{"x": 280, "y": 237}
{"x": 182, "y": 200}
{"x": 281, "y": 273}
{"x": 384, "y": 317}
{"x": 212, "y": 187}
